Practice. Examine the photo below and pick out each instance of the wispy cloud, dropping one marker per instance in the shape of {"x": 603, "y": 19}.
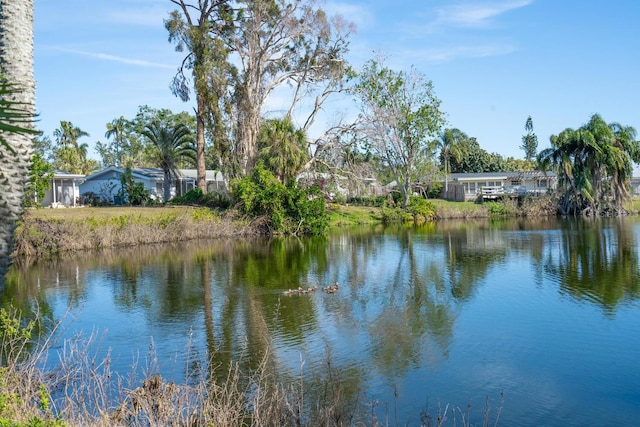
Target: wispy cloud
{"x": 472, "y": 15}
{"x": 120, "y": 59}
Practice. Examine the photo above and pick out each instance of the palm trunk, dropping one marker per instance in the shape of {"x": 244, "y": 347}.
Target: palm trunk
{"x": 16, "y": 61}
{"x": 166, "y": 186}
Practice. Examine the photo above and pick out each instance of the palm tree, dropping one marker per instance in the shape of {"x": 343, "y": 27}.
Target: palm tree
{"x": 67, "y": 135}
{"x": 283, "y": 148}
{"x": 594, "y": 166}
{"x": 15, "y": 118}
{"x": 16, "y": 63}
{"x": 116, "y": 129}
{"x": 173, "y": 145}
{"x": 450, "y": 146}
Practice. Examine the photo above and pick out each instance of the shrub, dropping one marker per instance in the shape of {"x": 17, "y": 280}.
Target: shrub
{"x": 91, "y": 199}
{"x": 196, "y": 197}
{"x": 435, "y": 190}
{"x": 133, "y": 192}
{"x": 421, "y": 209}
{"x": 374, "y": 201}
{"x": 501, "y": 208}
{"x": 288, "y": 209}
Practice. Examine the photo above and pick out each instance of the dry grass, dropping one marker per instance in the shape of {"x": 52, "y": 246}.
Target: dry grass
{"x": 83, "y": 213}
{"x": 81, "y": 390}
{"x": 47, "y": 232}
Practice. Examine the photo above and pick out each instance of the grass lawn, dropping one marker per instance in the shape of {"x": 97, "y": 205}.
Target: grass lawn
{"x": 341, "y": 215}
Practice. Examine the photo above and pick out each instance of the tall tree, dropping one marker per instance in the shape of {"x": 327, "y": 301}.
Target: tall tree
{"x": 67, "y": 135}
{"x": 402, "y": 117}
{"x": 16, "y": 63}
{"x": 283, "y": 148}
{"x": 450, "y": 144}
{"x": 116, "y": 131}
{"x": 278, "y": 43}
{"x": 69, "y": 154}
{"x": 173, "y": 145}
{"x": 197, "y": 28}
{"x": 476, "y": 159}
{"x": 594, "y": 165}
{"x": 529, "y": 141}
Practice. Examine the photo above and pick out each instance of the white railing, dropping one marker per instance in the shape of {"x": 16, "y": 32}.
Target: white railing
{"x": 492, "y": 192}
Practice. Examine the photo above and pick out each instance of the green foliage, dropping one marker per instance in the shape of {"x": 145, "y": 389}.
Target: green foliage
{"x": 288, "y": 209}
{"x": 391, "y": 214}
{"x": 12, "y": 404}
{"x": 12, "y": 328}
{"x": 434, "y": 190}
{"x": 15, "y": 117}
{"x": 418, "y": 209}
{"x": 282, "y": 148}
{"x": 69, "y": 154}
{"x": 133, "y": 192}
{"x": 374, "y": 201}
{"x": 529, "y": 141}
{"x": 594, "y": 165}
{"x": 401, "y": 118}
{"x": 421, "y": 209}
{"x": 40, "y": 175}
{"x": 15, "y": 336}
{"x": 475, "y": 159}
{"x": 172, "y": 145}
{"x": 501, "y": 208}
{"x": 195, "y": 196}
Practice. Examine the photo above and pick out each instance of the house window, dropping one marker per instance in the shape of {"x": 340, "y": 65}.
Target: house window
{"x": 543, "y": 183}
{"x": 516, "y": 182}
{"x": 470, "y": 187}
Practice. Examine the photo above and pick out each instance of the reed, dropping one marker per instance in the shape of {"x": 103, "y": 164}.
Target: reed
{"x": 80, "y": 389}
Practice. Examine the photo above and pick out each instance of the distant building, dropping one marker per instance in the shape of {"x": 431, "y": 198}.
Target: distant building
{"x": 635, "y": 186}
{"x": 64, "y": 190}
{"x": 106, "y": 183}
{"x": 492, "y": 185}
{"x": 343, "y": 186}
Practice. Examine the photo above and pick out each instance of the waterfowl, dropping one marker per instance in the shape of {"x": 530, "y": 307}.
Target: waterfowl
{"x": 332, "y": 289}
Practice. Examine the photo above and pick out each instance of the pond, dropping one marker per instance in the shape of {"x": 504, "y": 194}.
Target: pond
{"x": 545, "y": 313}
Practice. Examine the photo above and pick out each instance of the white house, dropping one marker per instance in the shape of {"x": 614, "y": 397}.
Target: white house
{"x": 635, "y": 186}
{"x": 340, "y": 185}
{"x": 491, "y": 185}
{"x": 64, "y": 190}
{"x": 106, "y": 183}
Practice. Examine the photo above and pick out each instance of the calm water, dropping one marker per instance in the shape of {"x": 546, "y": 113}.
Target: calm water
{"x": 546, "y": 311}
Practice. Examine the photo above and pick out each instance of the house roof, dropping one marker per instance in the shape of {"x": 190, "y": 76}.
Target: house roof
{"x": 58, "y": 174}
{"x": 193, "y": 174}
{"x": 156, "y": 174}
{"x": 501, "y": 175}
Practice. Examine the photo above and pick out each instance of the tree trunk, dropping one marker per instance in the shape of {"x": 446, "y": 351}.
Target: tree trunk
{"x": 166, "y": 186}
{"x": 16, "y": 61}
{"x": 200, "y": 158}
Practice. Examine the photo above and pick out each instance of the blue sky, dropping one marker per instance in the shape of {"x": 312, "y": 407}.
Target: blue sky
{"x": 493, "y": 63}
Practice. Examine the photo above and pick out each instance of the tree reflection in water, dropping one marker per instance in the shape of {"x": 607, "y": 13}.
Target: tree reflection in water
{"x": 401, "y": 292}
